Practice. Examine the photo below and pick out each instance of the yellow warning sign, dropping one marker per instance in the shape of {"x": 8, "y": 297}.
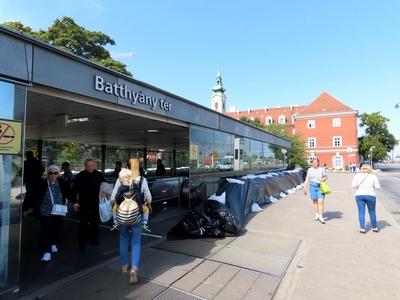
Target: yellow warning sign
{"x": 10, "y": 137}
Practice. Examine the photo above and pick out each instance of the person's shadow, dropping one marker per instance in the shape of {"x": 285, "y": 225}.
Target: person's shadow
{"x": 329, "y": 215}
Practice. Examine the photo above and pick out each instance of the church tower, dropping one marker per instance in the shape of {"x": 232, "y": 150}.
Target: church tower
{"x": 218, "y": 99}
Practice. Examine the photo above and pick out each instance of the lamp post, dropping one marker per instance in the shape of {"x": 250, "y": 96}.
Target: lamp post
{"x": 371, "y": 150}
{"x": 284, "y": 151}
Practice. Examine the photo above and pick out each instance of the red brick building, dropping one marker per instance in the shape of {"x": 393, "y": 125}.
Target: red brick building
{"x": 328, "y": 127}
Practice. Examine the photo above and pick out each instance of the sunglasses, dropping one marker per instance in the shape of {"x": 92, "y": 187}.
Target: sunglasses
{"x": 52, "y": 173}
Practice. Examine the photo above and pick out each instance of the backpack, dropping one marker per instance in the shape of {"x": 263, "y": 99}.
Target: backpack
{"x": 130, "y": 210}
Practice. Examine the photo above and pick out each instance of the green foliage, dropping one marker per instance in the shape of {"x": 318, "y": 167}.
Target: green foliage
{"x": 256, "y": 122}
{"x": 68, "y": 35}
{"x": 297, "y": 153}
{"x": 376, "y": 135}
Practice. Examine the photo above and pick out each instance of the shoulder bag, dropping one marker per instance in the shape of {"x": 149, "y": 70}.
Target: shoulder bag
{"x": 57, "y": 209}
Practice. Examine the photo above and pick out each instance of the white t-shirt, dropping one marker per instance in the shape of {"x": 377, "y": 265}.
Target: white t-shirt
{"x": 315, "y": 174}
{"x": 366, "y": 184}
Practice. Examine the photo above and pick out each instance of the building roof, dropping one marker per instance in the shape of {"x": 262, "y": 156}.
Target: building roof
{"x": 325, "y": 103}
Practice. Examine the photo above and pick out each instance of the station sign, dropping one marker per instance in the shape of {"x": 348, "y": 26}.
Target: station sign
{"x": 10, "y": 137}
{"x": 134, "y": 97}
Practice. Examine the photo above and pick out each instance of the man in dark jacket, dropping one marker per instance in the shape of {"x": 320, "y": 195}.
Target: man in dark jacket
{"x": 85, "y": 195}
{"x": 33, "y": 171}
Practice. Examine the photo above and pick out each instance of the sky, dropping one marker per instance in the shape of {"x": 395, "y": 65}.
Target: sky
{"x": 270, "y": 53}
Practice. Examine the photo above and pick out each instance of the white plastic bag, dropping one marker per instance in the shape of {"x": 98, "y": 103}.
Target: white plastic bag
{"x": 255, "y": 207}
{"x": 105, "y": 210}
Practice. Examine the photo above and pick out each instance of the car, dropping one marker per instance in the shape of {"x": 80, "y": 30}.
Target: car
{"x": 167, "y": 188}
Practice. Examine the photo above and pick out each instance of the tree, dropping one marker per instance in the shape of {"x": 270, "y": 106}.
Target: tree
{"x": 297, "y": 153}
{"x": 256, "y": 122}
{"x": 68, "y": 35}
{"x": 376, "y": 135}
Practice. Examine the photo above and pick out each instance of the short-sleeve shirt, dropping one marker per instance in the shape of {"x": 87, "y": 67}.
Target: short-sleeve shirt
{"x": 315, "y": 174}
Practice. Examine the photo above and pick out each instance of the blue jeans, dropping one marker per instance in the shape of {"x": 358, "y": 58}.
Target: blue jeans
{"x": 130, "y": 235}
{"x": 370, "y": 201}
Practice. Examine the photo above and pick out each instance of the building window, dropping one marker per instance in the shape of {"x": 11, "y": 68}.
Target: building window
{"x": 216, "y": 105}
{"x": 312, "y": 142}
{"x": 282, "y": 119}
{"x": 336, "y": 122}
{"x": 311, "y": 124}
{"x": 268, "y": 120}
{"x": 337, "y": 141}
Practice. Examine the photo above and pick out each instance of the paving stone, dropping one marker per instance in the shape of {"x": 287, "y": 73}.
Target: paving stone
{"x": 190, "y": 281}
{"x": 239, "y": 286}
{"x": 199, "y": 248}
{"x": 177, "y": 271}
{"x": 264, "y": 263}
{"x": 263, "y": 288}
{"x": 216, "y": 281}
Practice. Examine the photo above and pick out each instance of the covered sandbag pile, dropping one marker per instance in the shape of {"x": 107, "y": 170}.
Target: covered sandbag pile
{"x": 226, "y": 210}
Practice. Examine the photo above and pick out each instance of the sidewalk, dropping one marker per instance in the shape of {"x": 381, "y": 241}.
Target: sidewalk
{"x": 282, "y": 254}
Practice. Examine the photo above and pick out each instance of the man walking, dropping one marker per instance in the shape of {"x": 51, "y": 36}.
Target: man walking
{"x": 85, "y": 196}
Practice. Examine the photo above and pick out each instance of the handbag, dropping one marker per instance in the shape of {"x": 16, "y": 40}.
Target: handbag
{"x": 325, "y": 189}
{"x": 105, "y": 210}
{"x": 57, "y": 209}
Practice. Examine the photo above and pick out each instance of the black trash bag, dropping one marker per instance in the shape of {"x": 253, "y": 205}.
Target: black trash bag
{"x": 192, "y": 224}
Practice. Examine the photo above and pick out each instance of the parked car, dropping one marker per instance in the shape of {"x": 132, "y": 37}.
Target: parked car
{"x": 167, "y": 188}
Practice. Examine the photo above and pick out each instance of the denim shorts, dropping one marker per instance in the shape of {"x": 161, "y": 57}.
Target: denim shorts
{"x": 315, "y": 191}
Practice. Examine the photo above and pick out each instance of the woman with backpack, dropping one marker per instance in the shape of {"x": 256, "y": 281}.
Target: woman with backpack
{"x": 130, "y": 192}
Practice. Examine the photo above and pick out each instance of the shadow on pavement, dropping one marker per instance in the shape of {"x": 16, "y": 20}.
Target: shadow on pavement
{"x": 330, "y": 215}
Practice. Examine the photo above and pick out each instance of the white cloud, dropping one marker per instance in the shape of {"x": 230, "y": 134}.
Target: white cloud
{"x": 122, "y": 54}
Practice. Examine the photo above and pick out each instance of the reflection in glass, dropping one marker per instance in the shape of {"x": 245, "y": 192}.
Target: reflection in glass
{"x": 12, "y": 106}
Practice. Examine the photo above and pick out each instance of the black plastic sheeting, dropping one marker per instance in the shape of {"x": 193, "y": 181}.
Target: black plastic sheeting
{"x": 213, "y": 219}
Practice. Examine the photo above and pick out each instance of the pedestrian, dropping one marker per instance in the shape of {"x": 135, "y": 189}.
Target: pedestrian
{"x": 85, "y": 199}
{"x": 33, "y": 171}
{"x": 365, "y": 184}
{"x": 52, "y": 191}
{"x": 117, "y": 169}
{"x": 131, "y": 235}
{"x": 160, "y": 171}
{"x": 316, "y": 174}
{"x": 67, "y": 175}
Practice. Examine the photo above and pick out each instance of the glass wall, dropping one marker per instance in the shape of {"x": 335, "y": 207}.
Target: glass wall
{"x": 215, "y": 154}
{"x": 12, "y": 108}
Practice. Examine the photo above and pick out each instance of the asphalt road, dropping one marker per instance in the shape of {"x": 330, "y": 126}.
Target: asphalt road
{"x": 389, "y": 178}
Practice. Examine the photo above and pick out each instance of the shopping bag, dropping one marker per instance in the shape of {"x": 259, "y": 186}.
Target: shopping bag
{"x": 59, "y": 210}
{"x": 325, "y": 189}
{"x": 105, "y": 210}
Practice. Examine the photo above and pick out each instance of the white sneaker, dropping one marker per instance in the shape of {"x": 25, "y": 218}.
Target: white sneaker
{"x": 54, "y": 249}
{"x": 316, "y": 218}
{"x": 321, "y": 220}
{"x": 46, "y": 257}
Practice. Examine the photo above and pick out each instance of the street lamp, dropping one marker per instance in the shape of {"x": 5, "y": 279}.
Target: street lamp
{"x": 284, "y": 151}
{"x": 370, "y": 150}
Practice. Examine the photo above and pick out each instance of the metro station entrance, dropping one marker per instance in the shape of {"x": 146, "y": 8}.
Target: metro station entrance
{"x": 67, "y": 127}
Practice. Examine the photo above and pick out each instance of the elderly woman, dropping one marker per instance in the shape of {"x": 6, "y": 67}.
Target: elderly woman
{"x": 51, "y": 192}
{"x": 316, "y": 174}
{"x": 365, "y": 184}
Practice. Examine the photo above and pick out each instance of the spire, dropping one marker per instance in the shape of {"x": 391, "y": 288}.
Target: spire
{"x": 219, "y": 87}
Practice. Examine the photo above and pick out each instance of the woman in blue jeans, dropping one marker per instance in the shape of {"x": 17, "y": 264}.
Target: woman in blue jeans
{"x": 132, "y": 234}
{"x": 366, "y": 183}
